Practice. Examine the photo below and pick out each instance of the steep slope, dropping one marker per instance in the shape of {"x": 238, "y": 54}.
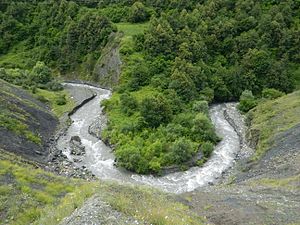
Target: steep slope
{"x": 26, "y": 123}
{"x": 263, "y": 189}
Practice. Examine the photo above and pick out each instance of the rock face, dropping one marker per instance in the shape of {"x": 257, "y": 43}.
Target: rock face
{"x": 76, "y": 146}
{"x": 108, "y": 68}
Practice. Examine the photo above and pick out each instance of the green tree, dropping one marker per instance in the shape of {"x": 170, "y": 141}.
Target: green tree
{"x": 128, "y": 103}
{"x": 247, "y": 101}
{"x": 155, "y": 110}
{"x": 182, "y": 150}
{"x": 41, "y": 73}
{"x": 138, "y": 13}
{"x": 183, "y": 85}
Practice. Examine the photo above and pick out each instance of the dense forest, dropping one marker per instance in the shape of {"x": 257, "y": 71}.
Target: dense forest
{"x": 193, "y": 53}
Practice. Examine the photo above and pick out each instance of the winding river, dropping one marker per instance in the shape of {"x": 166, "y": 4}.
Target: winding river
{"x": 100, "y": 160}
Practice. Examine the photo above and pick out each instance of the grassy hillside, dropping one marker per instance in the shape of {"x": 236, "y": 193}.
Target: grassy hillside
{"x": 31, "y": 195}
{"x": 272, "y": 117}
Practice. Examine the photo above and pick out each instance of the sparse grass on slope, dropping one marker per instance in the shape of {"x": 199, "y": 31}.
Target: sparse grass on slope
{"x": 30, "y": 195}
{"x": 149, "y": 205}
{"x": 51, "y": 98}
{"x": 26, "y": 191}
{"x": 271, "y": 117}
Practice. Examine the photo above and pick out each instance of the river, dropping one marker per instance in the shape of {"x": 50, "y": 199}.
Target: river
{"x": 99, "y": 158}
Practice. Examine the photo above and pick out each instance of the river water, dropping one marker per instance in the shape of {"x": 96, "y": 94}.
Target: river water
{"x": 100, "y": 160}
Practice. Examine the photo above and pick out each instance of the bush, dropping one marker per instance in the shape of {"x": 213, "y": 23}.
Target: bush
{"x": 61, "y": 100}
{"x": 128, "y": 103}
{"x": 138, "y": 13}
{"x": 270, "y": 93}
{"x": 201, "y": 106}
{"x": 155, "y": 111}
{"x": 182, "y": 150}
{"x": 41, "y": 73}
{"x": 247, "y": 101}
{"x": 54, "y": 86}
{"x": 203, "y": 129}
{"x": 207, "y": 149}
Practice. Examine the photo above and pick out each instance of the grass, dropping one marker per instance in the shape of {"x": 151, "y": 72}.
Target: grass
{"x": 286, "y": 183}
{"x": 26, "y": 190}
{"x": 18, "y": 128}
{"x": 19, "y": 57}
{"x": 149, "y": 205}
{"x": 272, "y": 117}
{"x": 51, "y": 97}
{"x": 296, "y": 76}
{"x": 130, "y": 29}
{"x": 29, "y": 195}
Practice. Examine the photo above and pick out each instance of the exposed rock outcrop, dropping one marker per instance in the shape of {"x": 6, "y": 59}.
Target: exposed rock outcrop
{"x": 108, "y": 67}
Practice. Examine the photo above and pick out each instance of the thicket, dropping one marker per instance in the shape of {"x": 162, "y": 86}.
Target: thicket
{"x": 63, "y": 34}
{"x": 195, "y": 53}
{"x": 40, "y": 76}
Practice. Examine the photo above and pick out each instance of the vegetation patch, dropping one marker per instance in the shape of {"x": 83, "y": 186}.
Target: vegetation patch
{"x": 149, "y": 205}
{"x": 285, "y": 183}
{"x": 29, "y": 195}
{"x": 60, "y": 102}
{"x": 26, "y": 191}
{"x": 272, "y": 117}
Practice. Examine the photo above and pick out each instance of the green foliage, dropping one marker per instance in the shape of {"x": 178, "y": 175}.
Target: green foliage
{"x": 59, "y": 33}
{"x": 155, "y": 111}
{"x": 182, "y": 150}
{"x": 61, "y": 100}
{"x": 271, "y": 117}
{"x": 207, "y": 149}
{"x": 41, "y": 74}
{"x": 128, "y": 103}
{"x": 183, "y": 85}
{"x": 201, "y": 106}
{"x": 271, "y": 93}
{"x": 138, "y": 13}
{"x": 247, "y": 101}
{"x": 188, "y": 55}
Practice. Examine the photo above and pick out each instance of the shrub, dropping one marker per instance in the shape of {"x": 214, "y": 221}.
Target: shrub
{"x": 61, "y": 100}
{"x": 207, "y": 149}
{"x": 138, "y": 13}
{"x": 207, "y": 94}
{"x": 41, "y": 73}
{"x": 128, "y": 103}
{"x": 203, "y": 129}
{"x": 201, "y": 106}
{"x": 182, "y": 150}
{"x": 270, "y": 93}
{"x": 156, "y": 111}
{"x": 247, "y": 101}
{"x": 54, "y": 86}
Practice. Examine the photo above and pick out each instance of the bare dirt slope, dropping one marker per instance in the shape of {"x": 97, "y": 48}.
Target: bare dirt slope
{"x": 263, "y": 192}
{"x": 26, "y": 124}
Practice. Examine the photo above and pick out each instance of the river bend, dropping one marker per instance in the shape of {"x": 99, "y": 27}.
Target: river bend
{"x": 100, "y": 160}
